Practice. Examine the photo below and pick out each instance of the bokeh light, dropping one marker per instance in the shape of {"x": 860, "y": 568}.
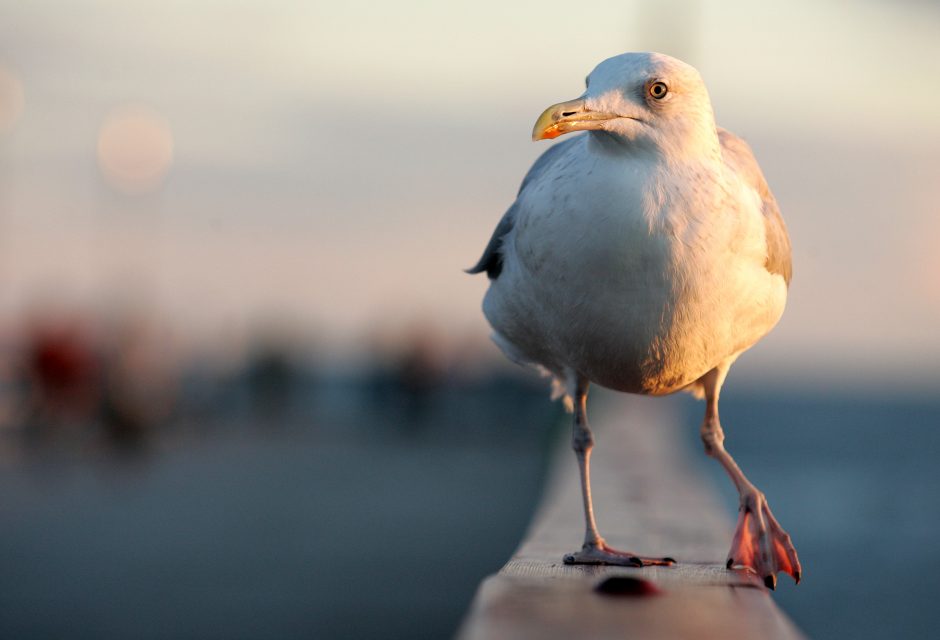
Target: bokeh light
{"x": 11, "y": 99}
{"x": 135, "y": 149}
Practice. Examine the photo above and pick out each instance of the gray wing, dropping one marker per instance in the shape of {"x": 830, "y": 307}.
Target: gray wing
{"x": 739, "y": 157}
{"x": 492, "y": 259}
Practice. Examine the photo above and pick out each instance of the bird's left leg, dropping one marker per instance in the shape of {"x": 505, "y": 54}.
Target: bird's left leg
{"x": 759, "y": 543}
{"x": 595, "y": 550}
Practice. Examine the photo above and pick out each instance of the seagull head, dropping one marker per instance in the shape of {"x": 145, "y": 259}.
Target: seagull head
{"x": 642, "y": 99}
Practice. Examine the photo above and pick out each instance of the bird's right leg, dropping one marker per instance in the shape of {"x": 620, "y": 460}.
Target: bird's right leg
{"x": 595, "y": 550}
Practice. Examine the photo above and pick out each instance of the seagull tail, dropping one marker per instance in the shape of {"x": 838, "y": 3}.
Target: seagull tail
{"x": 561, "y": 389}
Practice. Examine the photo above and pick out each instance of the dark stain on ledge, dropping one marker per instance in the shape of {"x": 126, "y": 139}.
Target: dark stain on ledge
{"x": 627, "y": 586}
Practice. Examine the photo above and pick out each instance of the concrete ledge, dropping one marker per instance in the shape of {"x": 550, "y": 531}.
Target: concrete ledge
{"x": 649, "y": 501}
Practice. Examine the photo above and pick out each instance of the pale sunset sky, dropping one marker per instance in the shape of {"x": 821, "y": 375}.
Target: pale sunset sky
{"x": 338, "y": 164}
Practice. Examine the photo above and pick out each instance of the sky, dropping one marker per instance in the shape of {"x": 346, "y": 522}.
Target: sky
{"x": 336, "y": 165}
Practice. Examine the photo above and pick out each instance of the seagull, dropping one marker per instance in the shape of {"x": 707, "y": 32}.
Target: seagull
{"x": 645, "y": 256}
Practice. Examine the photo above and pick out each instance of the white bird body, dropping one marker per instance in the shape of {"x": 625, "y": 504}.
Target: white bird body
{"x": 645, "y": 256}
{"x": 660, "y": 280}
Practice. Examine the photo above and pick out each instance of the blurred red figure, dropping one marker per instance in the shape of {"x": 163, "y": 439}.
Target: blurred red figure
{"x": 62, "y": 374}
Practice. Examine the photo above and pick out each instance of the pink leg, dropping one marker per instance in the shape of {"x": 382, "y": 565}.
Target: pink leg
{"x": 595, "y": 550}
{"x": 759, "y": 543}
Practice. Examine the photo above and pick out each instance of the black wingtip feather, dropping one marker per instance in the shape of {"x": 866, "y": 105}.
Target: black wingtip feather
{"x": 491, "y": 264}
{"x": 492, "y": 259}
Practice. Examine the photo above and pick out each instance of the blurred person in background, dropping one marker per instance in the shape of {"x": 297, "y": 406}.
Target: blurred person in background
{"x": 61, "y": 379}
{"x": 139, "y": 382}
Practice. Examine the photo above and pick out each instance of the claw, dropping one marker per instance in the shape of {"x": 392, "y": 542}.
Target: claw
{"x": 761, "y": 544}
{"x": 669, "y": 560}
{"x": 797, "y": 576}
{"x": 636, "y": 561}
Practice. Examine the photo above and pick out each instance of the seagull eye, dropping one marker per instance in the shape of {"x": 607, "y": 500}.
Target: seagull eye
{"x": 658, "y": 90}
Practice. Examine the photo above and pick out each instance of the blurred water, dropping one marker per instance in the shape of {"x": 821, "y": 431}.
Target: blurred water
{"x": 856, "y": 482}
{"x": 352, "y": 527}
{"x": 346, "y": 526}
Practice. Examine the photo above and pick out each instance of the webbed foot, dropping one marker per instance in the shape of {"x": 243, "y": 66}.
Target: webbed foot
{"x": 760, "y": 543}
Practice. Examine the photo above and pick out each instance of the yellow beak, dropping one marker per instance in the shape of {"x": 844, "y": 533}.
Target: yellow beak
{"x": 566, "y": 117}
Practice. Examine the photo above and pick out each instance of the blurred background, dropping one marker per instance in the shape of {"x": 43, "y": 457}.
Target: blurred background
{"x": 246, "y": 391}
